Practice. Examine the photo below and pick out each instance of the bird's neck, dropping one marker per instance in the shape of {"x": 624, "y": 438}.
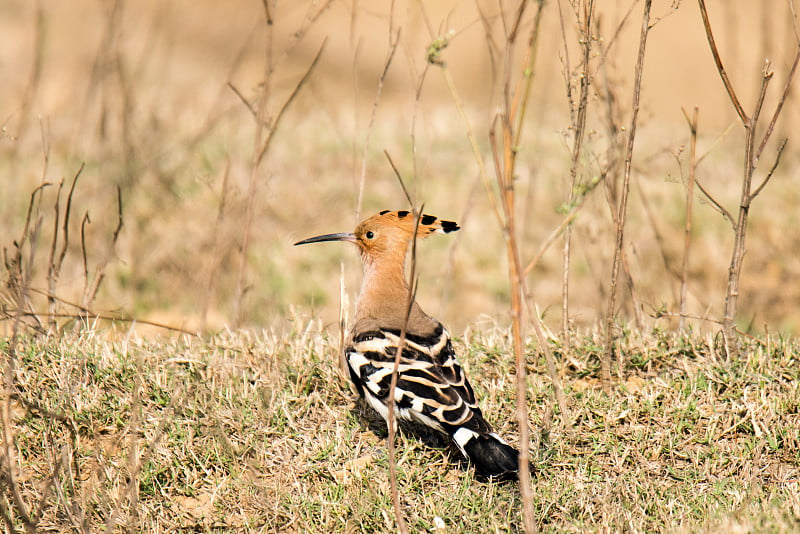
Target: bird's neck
{"x": 384, "y": 296}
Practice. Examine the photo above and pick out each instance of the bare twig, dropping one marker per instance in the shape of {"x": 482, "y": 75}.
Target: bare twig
{"x": 18, "y": 272}
{"x": 781, "y": 102}
{"x": 250, "y": 107}
{"x": 51, "y": 276}
{"x": 717, "y": 206}
{"x": 687, "y": 232}
{"x": 267, "y": 12}
{"x": 769, "y": 175}
{"x": 623, "y": 202}
{"x": 504, "y": 157}
{"x": 718, "y": 61}
{"x": 84, "y": 221}
{"x": 565, "y": 222}
{"x": 344, "y": 304}
{"x": 85, "y": 315}
{"x": 505, "y": 153}
{"x": 261, "y": 149}
{"x": 274, "y": 127}
{"x": 391, "y": 419}
{"x": 363, "y": 176}
{"x": 611, "y": 42}
{"x": 584, "y": 11}
{"x": 399, "y": 179}
{"x": 55, "y": 264}
{"x": 658, "y": 314}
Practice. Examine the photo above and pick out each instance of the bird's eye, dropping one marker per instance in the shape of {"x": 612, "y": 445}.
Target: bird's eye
{"x": 369, "y": 235}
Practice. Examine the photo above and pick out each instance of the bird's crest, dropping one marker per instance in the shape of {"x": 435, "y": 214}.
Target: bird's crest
{"x": 388, "y": 233}
{"x": 428, "y": 224}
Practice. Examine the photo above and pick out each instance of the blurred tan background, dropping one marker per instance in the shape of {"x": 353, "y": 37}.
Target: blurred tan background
{"x": 141, "y": 93}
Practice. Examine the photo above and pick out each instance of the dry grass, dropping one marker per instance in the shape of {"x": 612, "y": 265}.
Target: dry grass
{"x": 256, "y": 431}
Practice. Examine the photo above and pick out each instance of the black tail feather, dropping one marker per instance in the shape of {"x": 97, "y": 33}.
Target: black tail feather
{"x": 492, "y": 458}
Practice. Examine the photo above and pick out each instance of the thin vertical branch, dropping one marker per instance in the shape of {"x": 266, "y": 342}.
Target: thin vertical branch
{"x": 51, "y": 276}
{"x": 391, "y": 420}
{"x": 214, "y": 260}
{"x": 511, "y": 124}
{"x": 344, "y": 304}
{"x": 504, "y": 158}
{"x": 84, "y": 221}
{"x": 54, "y": 268}
{"x": 363, "y": 176}
{"x": 623, "y": 202}
{"x": 779, "y": 107}
{"x": 687, "y": 232}
{"x": 584, "y": 11}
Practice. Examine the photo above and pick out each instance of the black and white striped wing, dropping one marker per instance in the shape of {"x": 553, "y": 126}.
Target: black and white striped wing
{"x": 431, "y": 385}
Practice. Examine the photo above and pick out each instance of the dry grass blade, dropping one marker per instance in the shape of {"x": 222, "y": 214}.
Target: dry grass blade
{"x": 18, "y": 272}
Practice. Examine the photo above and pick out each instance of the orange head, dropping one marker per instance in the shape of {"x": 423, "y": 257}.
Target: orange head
{"x": 388, "y": 233}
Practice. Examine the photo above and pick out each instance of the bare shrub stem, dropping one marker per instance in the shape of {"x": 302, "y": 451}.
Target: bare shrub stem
{"x": 752, "y": 153}
{"x": 687, "y": 232}
{"x": 584, "y": 12}
{"x": 623, "y": 202}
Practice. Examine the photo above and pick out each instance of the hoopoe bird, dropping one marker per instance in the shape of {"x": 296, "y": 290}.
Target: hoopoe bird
{"x": 431, "y": 386}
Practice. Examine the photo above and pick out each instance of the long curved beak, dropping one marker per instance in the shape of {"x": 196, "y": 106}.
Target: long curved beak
{"x": 345, "y": 236}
